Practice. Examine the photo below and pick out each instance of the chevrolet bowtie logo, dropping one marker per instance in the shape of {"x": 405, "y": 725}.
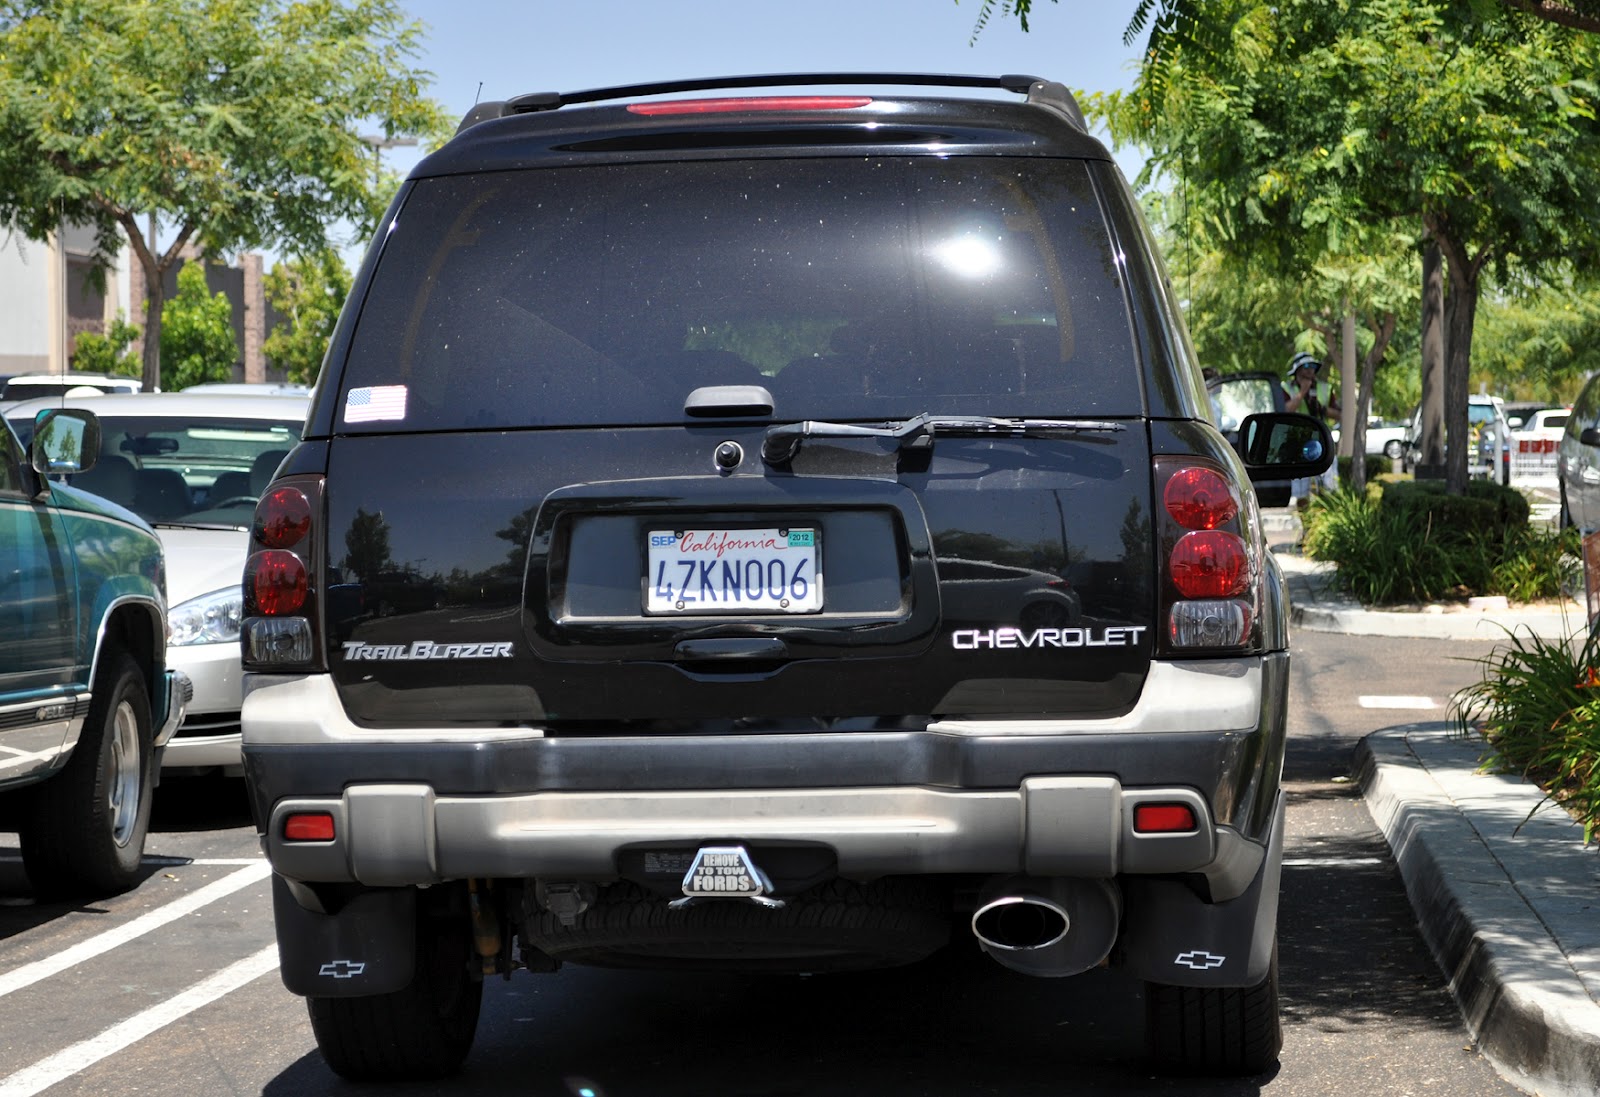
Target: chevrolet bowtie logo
{"x": 344, "y": 969}
{"x": 1199, "y": 960}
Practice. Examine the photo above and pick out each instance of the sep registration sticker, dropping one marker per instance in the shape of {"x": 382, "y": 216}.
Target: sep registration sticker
{"x": 380, "y": 403}
{"x": 732, "y": 571}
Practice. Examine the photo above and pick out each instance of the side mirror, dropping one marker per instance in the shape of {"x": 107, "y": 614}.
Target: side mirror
{"x": 1284, "y": 445}
{"x": 65, "y": 441}
{"x": 1590, "y": 436}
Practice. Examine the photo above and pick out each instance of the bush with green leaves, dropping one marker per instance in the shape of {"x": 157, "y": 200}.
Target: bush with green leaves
{"x": 108, "y": 353}
{"x": 1538, "y": 708}
{"x": 1408, "y": 541}
{"x": 197, "y": 341}
{"x": 1377, "y": 465}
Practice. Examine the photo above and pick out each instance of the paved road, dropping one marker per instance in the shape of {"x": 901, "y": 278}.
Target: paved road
{"x": 170, "y": 990}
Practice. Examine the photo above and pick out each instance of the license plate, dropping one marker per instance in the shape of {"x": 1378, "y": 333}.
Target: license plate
{"x": 732, "y": 571}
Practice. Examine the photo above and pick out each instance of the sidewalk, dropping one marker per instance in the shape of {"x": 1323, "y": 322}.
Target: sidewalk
{"x": 1506, "y": 894}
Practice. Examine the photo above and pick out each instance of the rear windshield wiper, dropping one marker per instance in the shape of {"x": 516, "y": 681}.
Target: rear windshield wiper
{"x": 199, "y": 525}
{"x": 783, "y": 441}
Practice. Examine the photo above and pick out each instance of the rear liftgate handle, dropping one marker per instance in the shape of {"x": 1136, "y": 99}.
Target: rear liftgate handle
{"x": 731, "y": 647}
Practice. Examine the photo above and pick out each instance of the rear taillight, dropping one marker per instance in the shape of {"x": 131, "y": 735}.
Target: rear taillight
{"x": 1211, "y": 573}
{"x": 1200, "y": 498}
{"x": 277, "y": 582}
{"x": 280, "y": 627}
{"x": 283, "y": 518}
{"x": 1210, "y": 564}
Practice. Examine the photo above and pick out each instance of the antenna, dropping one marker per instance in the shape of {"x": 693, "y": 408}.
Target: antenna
{"x": 478, "y": 94}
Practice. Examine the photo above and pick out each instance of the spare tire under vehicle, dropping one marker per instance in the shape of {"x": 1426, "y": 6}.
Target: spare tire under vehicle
{"x": 837, "y": 926}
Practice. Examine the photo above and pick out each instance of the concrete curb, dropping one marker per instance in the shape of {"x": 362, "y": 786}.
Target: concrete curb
{"x": 1508, "y": 904}
{"x": 1315, "y": 604}
{"x": 1462, "y": 625}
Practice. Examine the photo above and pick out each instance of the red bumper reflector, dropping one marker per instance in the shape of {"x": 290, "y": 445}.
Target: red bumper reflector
{"x": 1163, "y": 818}
{"x": 316, "y": 827}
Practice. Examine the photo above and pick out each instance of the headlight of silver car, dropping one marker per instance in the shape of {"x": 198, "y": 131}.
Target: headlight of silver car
{"x": 209, "y": 619}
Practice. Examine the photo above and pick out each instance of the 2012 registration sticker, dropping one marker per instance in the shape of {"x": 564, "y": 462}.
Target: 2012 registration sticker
{"x": 733, "y": 571}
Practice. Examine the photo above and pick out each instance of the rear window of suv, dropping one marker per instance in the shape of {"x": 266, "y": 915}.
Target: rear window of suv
{"x": 849, "y": 288}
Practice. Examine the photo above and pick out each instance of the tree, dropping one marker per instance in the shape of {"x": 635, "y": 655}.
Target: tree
{"x": 308, "y": 293}
{"x": 197, "y": 341}
{"x": 234, "y": 121}
{"x": 1325, "y": 128}
{"x": 108, "y": 353}
{"x": 1539, "y": 342}
{"x": 1190, "y": 22}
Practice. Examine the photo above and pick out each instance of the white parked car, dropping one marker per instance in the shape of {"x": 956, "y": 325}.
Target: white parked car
{"x": 192, "y": 465}
{"x": 1535, "y": 444}
{"x": 1387, "y": 438}
{"x": 32, "y": 386}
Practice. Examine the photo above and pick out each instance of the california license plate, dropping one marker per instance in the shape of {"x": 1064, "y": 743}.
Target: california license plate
{"x": 733, "y": 571}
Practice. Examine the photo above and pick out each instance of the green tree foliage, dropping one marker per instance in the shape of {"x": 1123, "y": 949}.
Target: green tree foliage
{"x": 108, "y": 353}
{"x": 308, "y": 293}
{"x": 236, "y": 122}
{"x": 1540, "y": 343}
{"x": 197, "y": 340}
{"x": 1329, "y": 131}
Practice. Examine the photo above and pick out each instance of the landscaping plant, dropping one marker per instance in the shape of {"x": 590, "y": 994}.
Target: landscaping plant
{"x": 1410, "y": 542}
{"x": 1538, "y": 708}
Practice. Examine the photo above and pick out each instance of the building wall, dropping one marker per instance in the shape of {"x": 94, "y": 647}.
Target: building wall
{"x": 24, "y": 305}
{"x": 49, "y": 296}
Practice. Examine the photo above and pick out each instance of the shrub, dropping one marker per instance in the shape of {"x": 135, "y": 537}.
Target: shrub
{"x": 1378, "y": 552}
{"x": 1538, "y": 707}
{"x": 1413, "y": 543}
{"x": 1377, "y": 465}
{"x": 1485, "y": 505}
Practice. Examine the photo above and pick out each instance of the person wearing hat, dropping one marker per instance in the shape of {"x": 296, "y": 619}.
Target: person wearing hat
{"x": 1309, "y": 395}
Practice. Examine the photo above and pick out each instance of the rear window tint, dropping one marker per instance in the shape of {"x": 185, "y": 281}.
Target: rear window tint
{"x": 861, "y": 288}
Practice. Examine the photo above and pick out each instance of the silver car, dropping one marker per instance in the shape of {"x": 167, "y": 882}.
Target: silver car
{"x": 192, "y": 465}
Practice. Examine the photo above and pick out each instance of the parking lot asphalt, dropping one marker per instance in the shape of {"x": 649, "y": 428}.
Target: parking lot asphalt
{"x": 1505, "y": 890}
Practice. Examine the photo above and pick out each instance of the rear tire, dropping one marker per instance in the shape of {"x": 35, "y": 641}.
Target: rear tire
{"x": 84, "y": 829}
{"x": 1215, "y": 1030}
{"x": 421, "y": 1031}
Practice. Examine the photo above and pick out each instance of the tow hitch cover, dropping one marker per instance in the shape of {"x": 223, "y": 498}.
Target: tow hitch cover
{"x": 725, "y": 872}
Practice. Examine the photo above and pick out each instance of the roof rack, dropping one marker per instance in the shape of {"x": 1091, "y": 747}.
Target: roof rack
{"x": 1045, "y": 93}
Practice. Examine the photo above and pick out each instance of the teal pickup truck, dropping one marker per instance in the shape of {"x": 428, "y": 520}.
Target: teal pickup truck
{"x": 86, "y": 699}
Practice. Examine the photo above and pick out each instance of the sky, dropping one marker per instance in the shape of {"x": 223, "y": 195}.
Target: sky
{"x": 497, "y": 49}
{"x": 508, "y": 47}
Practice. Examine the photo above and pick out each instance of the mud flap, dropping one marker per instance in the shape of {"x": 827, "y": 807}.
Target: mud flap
{"x": 1171, "y": 935}
{"x": 366, "y": 946}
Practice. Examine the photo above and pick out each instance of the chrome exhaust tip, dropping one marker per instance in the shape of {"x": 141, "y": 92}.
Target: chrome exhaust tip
{"x": 1020, "y": 923}
{"x": 1047, "y": 926}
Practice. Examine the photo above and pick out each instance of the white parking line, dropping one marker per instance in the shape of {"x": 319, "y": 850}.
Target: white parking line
{"x": 84, "y": 1054}
{"x": 28, "y": 974}
{"x": 1376, "y": 701}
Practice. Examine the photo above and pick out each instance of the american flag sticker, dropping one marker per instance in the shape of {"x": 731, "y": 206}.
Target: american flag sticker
{"x": 371, "y": 405}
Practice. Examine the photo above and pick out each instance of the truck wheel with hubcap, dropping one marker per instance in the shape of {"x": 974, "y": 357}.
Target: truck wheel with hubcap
{"x": 423, "y": 1030}
{"x": 1215, "y": 1030}
{"x": 84, "y": 829}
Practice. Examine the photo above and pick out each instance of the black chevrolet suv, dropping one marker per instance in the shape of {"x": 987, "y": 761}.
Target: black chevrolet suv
{"x": 771, "y": 532}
